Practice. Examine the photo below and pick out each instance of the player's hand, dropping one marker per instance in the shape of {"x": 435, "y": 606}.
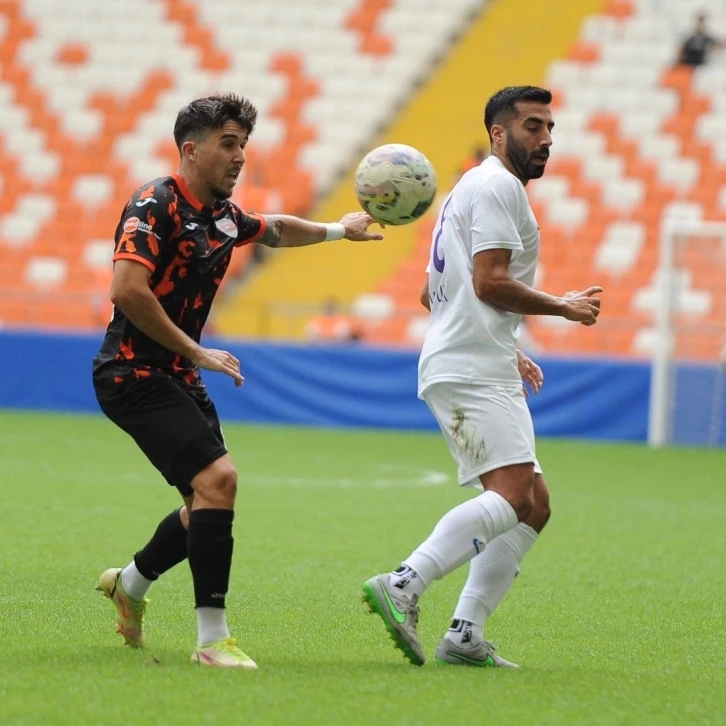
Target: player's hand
{"x": 583, "y": 307}
{"x": 356, "y": 227}
{"x": 531, "y": 373}
{"x": 219, "y": 360}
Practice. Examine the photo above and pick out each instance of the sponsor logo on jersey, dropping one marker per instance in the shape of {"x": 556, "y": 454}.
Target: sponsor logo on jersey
{"x": 134, "y": 224}
{"x": 131, "y": 225}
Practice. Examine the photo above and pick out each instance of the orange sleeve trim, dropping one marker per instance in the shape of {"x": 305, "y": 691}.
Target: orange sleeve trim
{"x": 134, "y": 258}
{"x": 262, "y": 229}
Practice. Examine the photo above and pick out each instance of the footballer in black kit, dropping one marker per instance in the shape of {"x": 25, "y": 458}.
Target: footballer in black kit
{"x": 173, "y": 244}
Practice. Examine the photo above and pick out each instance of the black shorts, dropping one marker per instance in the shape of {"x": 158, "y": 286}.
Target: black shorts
{"x": 176, "y": 427}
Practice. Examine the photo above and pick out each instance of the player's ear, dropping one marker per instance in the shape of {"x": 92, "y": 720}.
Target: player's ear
{"x": 498, "y": 132}
{"x": 189, "y": 150}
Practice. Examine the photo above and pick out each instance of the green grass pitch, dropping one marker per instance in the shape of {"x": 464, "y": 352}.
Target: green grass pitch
{"x": 618, "y": 616}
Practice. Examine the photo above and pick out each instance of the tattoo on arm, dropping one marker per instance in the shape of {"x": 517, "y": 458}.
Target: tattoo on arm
{"x": 284, "y": 230}
{"x": 272, "y": 236}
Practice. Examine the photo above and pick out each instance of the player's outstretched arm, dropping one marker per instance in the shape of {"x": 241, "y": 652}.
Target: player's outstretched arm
{"x": 131, "y": 293}
{"x": 494, "y": 285}
{"x": 287, "y": 231}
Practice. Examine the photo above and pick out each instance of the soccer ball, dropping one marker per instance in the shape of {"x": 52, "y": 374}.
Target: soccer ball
{"x": 395, "y": 184}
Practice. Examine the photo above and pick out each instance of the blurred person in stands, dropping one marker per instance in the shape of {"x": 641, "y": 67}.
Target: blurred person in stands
{"x": 331, "y": 325}
{"x": 697, "y": 47}
{"x": 173, "y": 244}
{"x": 479, "y": 154}
{"x": 484, "y": 252}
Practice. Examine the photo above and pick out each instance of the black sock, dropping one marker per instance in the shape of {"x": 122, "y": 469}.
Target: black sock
{"x": 168, "y": 547}
{"x": 210, "y": 545}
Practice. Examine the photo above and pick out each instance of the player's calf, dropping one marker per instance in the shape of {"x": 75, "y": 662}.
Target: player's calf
{"x": 210, "y": 548}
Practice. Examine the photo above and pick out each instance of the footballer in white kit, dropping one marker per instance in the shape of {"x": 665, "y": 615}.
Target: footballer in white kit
{"x": 483, "y": 261}
{"x": 468, "y": 369}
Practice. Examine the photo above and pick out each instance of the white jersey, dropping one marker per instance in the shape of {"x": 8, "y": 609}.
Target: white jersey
{"x": 467, "y": 339}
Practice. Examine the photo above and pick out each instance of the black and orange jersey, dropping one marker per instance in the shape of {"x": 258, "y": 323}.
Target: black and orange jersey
{"x": 187, "y": 247}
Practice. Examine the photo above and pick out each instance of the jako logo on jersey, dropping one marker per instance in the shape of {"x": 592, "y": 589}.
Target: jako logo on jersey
{"x": 144, "y": 202}
{"x": 192, "y": 226}
{"x": 226, "y": 226}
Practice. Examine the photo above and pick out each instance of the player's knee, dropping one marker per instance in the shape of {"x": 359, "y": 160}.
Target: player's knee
{"x": 544, "y": 511}
{"x": 523, "y": 504}
{"x": 540, "y": 516}
{"x": 516, "y": 484}
{"x": 523, "y": 500}
{"x": 226, "y": 482}
{"x": 216, "y": 486}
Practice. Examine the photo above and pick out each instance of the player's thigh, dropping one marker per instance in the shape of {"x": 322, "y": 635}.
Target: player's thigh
{"x": 485, "y": 427}
{"x": 168, "y": 425}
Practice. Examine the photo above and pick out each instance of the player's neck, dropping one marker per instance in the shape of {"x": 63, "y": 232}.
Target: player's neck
{"x": 196, "y": 189}
{"x": 509, "y": 166}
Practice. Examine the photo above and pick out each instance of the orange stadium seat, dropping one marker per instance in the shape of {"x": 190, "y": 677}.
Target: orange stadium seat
{"x": 365, "y": 20}
{"x": 619, "y": 8}
{"x": 128, "y": 103}
{"x": 614, "y": 173}
{"x": 584, "y": 52}
{"x": 87, "y": 119}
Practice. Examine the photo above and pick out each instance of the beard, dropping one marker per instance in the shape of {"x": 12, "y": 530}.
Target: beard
{"x": 220, "y": 194}
{"x": 523, "y": 161}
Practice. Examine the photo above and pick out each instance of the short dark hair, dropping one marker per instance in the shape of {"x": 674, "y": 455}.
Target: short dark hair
{"x": 212, "y": 112}
{"x": 502, "y": 106}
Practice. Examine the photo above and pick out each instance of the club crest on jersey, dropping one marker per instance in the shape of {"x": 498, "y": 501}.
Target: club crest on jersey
{"x": 226, "y": 226}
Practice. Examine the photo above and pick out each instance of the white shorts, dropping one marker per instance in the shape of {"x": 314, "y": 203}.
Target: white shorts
{"x": 485, "y": 427}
